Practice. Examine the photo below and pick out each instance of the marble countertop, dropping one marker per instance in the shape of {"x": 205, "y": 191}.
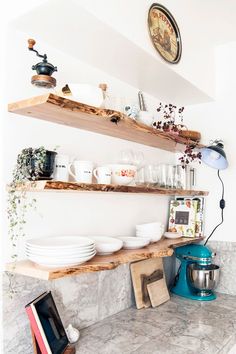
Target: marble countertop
{"x": 178, "y": 326}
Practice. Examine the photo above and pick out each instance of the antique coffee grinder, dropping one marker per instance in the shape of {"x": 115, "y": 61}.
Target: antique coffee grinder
{"x": 197, "y": 276}
{"x": 44, "y": 70}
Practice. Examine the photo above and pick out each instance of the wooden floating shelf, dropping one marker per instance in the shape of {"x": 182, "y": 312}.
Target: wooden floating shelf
{"x": 163, "y": 248}
{"x": 64, "y": 111}
{"x": 44, "y": 186}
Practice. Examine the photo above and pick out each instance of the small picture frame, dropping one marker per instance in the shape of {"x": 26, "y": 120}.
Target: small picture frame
{"x": 182, "y": 217}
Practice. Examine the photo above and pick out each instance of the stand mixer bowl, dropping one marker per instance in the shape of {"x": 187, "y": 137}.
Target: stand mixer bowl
{"x": 203, "y": 278}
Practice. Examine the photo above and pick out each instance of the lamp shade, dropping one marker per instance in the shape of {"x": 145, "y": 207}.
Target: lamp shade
{"x": 214, "y": 156}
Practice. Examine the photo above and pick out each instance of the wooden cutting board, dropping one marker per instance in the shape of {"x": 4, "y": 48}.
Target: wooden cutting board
{"x": 145, "y": 273}
{"x": 158, "y": 292}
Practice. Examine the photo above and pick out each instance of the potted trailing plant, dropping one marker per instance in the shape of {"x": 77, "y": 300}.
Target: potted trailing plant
{"x": 32, "y": 165}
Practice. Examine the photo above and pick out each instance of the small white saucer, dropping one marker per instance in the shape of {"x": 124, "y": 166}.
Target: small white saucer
{"x": 172, "y": 235}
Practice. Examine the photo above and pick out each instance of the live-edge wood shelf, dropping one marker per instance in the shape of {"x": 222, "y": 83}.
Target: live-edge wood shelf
{"x": 61, "y": 110}
{"x": 163, "y": 248}
{"x": 47, "y": 186}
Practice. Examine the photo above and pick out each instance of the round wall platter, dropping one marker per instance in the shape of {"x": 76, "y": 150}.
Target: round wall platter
{"x": 164, "y": 33}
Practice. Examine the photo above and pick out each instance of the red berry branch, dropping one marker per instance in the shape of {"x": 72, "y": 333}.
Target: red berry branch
{"x": 169, "y": 112}
{"x": 189, "y": 155}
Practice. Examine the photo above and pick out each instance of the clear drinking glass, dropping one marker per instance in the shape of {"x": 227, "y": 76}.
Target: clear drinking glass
{"x": 127, "y": 156}
{"x": 138, "y": 158}
{"x": 179, "y": 177}
{"x": 162, "y": 176}
{"x": 151, "y": 175}
{"x": 169, "y": 176}
{"x": 140, "y": 177}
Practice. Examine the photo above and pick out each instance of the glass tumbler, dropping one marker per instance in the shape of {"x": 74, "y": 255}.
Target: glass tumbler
{"x": 179, "y": 177}
{"x": 162, "y": 175}
{"x": 170, "y": 176}
{"x": 151, "y": 175}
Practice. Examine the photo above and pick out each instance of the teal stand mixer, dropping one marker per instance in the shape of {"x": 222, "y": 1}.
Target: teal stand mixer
{"x": 197, "y": 276}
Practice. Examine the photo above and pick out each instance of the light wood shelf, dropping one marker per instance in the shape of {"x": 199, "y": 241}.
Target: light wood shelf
{"x": 57, "y": 186}
{"x": 61, "y": 110}
{"x": 163, "y": 248}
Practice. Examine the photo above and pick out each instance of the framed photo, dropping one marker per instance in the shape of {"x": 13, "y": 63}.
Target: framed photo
{"x": 199, "y": 224}
{"x": 164, "y": 33}
{"x": 182, "y": 217}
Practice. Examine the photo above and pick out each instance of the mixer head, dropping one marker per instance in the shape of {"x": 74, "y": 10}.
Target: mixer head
{"x": 195, "y": 253}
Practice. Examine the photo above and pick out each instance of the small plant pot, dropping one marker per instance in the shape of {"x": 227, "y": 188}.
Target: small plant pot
{"x": 47, "y": 168}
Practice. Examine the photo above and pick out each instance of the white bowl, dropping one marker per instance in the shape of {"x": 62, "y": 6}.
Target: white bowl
{"x": 154, "y": 237}
{"x": 123, "y": 174}
{"x": 106, "y": 245}
{"x": 172, "y": 235}
{"x": 132, "y": 243}
{"x": 149, "y": 226}
{"x": 145, "y": 117}
{"x": 86, "y": 94}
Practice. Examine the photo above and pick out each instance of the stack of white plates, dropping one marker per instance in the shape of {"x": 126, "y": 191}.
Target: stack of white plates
{"x": 61, "y": 251}
{"x": 153, "y": 231}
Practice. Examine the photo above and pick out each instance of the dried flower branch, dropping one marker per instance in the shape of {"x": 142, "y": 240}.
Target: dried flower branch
{"x": 190, "y": 155}
{"x": 169, "y": 112}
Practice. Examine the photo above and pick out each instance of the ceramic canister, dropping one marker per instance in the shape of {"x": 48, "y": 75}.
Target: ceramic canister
{"x": 61, "y": 172}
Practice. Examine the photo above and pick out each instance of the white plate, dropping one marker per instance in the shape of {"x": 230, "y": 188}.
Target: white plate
{"x": 172, "y": 235}
{"x": 59, "y": 242}
{"x": 60, "y": 256}
{"x": 106, "y": 245}
{"x": 59, "y": 262}
{"x": 66, "y": 265}
{"x": 59, "y": 252}
{"x": 132, "y": 243}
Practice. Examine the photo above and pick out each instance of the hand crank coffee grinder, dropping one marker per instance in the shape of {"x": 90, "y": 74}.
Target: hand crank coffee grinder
{"x": 44, "y": 70}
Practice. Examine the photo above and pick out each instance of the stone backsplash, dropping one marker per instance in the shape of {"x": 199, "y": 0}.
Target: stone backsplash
{"x": 88, "y": 298}
{"x": 226, "y": 259}
{"x": 81, "y": 300}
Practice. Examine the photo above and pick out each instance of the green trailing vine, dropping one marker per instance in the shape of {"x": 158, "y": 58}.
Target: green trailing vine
{"x": 28, "y": 168}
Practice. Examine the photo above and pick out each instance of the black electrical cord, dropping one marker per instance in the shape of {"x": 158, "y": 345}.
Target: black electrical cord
{"x": 222, "y": 206}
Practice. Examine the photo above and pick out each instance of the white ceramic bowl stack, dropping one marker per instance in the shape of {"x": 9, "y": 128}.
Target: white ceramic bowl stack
{"x": 152, "y": 231}
{"x": 61, "y": 251}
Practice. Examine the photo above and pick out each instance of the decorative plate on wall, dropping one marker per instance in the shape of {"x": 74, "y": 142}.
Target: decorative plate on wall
{"x": 164, "y": 33}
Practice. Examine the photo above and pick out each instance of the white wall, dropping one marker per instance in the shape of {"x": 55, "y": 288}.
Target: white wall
{"x": 187, "y": 14}
{"x": 78, "y": 213}
{"x": 217, "y": 120}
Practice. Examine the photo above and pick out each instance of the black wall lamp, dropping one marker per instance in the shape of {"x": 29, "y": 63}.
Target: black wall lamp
{"x": 214, "y": 156}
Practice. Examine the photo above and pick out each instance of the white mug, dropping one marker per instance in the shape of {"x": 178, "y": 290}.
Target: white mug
{"x": 83, "y": 171}
{"x": 61, "y": 166}
{"x": 102, "y": 174}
